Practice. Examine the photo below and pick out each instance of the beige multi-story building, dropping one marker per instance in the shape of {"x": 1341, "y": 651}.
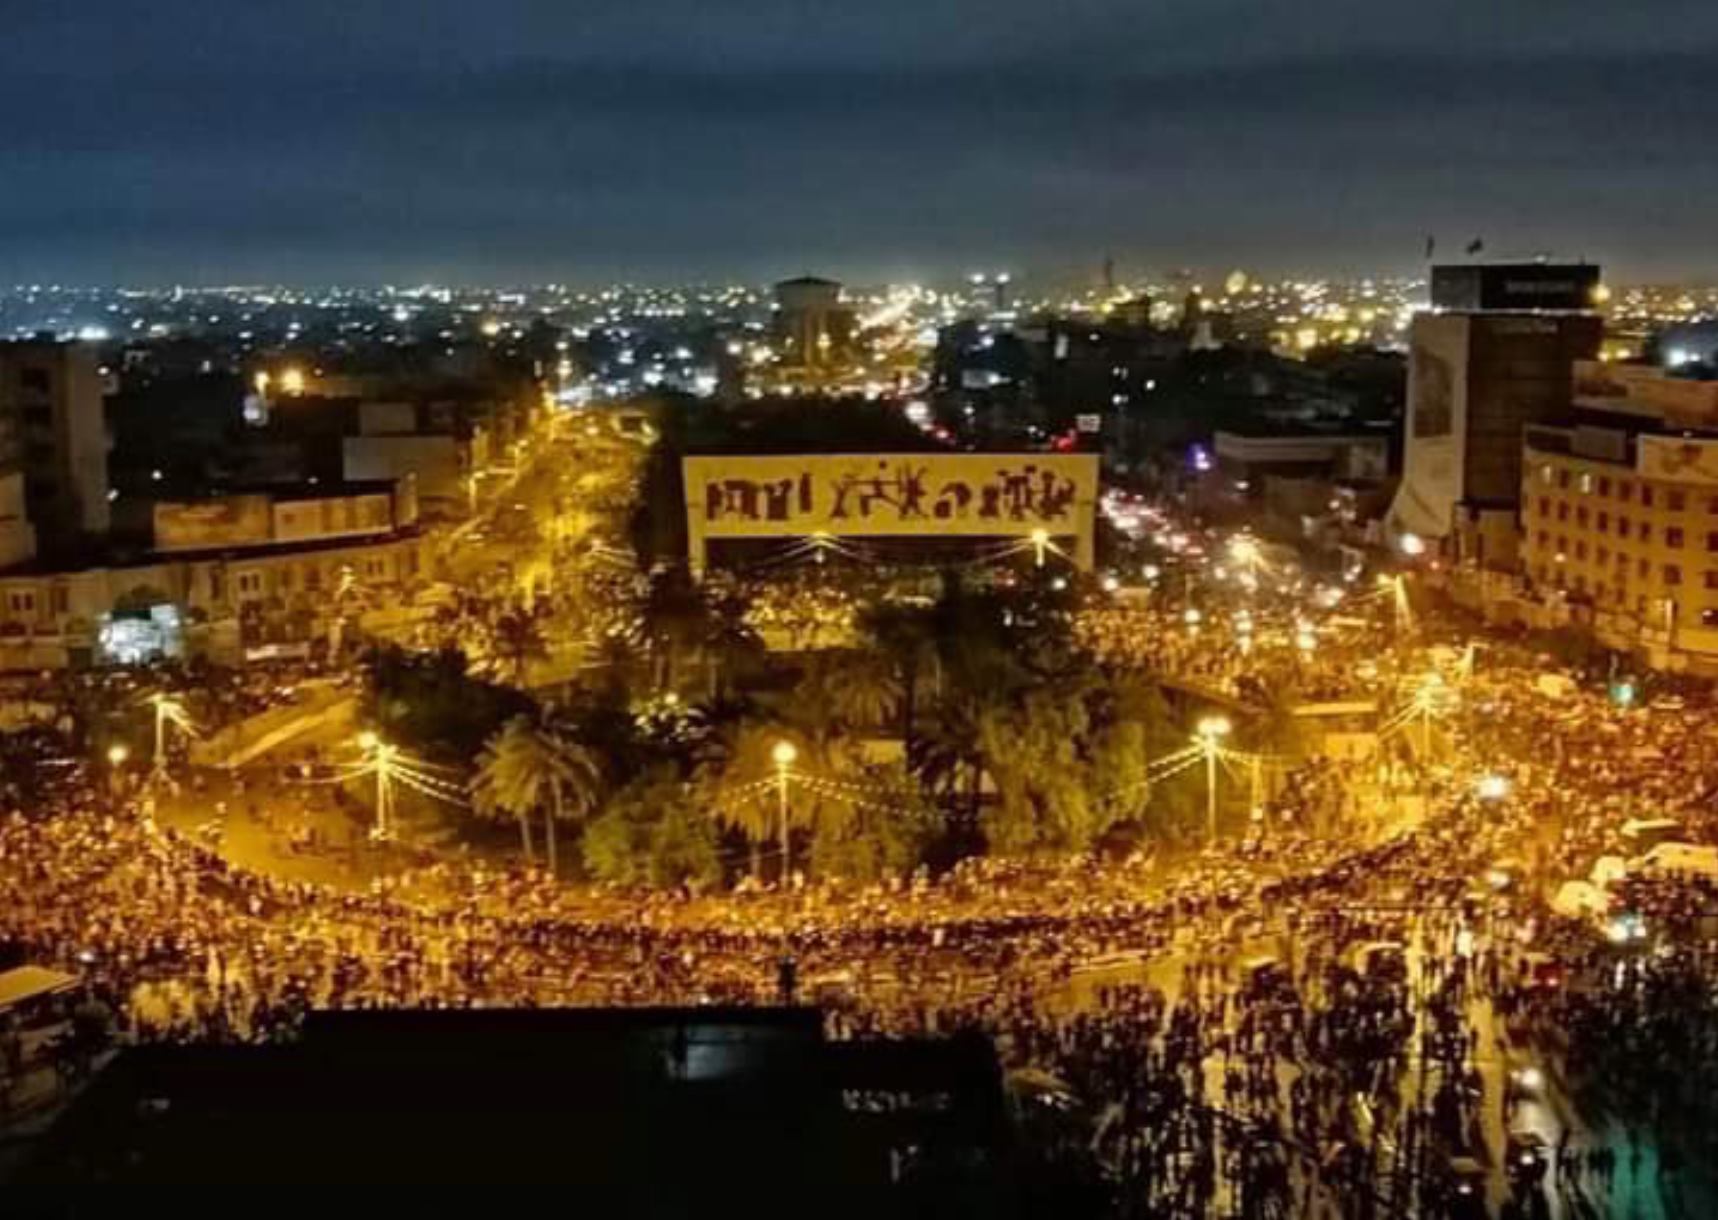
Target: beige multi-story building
{"x": 1619, "y": 513}
{"x": 231, "y": 577}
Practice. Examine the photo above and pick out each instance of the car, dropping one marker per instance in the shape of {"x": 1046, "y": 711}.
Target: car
{"x": 1383, "y": 960}
{"x": 1691, "y": 859}
{"x": 1528, "y": 1157}
{"x": 1643, "y": 834}
{"x": 1461, "y": 1184}
{"x": 1263, "y": 977}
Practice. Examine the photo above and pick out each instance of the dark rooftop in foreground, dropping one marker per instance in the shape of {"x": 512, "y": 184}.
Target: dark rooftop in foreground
{"x": 669, "y": 1112}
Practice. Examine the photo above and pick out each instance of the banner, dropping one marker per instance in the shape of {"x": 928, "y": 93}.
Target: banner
{"x": 1677, "y": 460}
{"x": 891, "y": 494}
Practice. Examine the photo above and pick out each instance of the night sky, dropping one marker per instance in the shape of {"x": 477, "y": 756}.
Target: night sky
{"x": 487, "y": 140}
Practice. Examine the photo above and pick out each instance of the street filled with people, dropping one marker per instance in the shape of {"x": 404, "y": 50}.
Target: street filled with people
{"x": 1327, "y": 1012}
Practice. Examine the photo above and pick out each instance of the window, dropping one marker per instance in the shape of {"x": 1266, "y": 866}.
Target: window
{"x": 1672, "y": 574}
{"x": 1563, "y": 479}
{"x": 1645, "y": 496}
{"x": 1622, "y": 526}
{"x": 1581, "y": 517}
{"x": 1545, "y": 475}
{"x": 1562, "y": 510}
{"x": 1712, "y": 578}
{"x": 1642, "y": 569}
{"x": 1586, "y": 484}
{"x": 1677, "y": 500}
{"x": 59, "y": 601}
{"x": 1580, "y": 550}
{"x": 1604, "y": 486}
{"x": 249, "y": 583}
{"x": 1601, "y": 554}
{"x": 1673, "y": 537}
{"x": 1544, "y": 506}
{"x": 22, "y": 601}
{"x": 312, "y": 578}
{"x": 1712, "y": 505}
{"x": 1603, "y": 522}
{"x": 1645, "y": 531}
{"x": 1625, "y": 490}
{"x": 35, "y": 380}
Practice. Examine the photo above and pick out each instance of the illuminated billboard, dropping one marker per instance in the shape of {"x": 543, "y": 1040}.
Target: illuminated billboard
{"x": 892, "y": 495}
{"x": 221, "y": 521}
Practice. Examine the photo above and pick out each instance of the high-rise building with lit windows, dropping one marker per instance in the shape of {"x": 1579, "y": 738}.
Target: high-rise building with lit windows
{"x": 1619, "y": 513}
{"x": 53, "y": 439}
{"x": 1493, "y": 355}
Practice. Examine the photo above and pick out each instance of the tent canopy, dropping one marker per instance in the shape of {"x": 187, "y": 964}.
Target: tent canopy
{"x": 30, "y": 982}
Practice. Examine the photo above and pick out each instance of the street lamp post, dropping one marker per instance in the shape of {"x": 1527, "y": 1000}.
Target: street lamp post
{"x": 117, "y": 753}
{"x": 1211, "y": 731}
{"x": 167, "y": 708}
{"x": 381, "y": 758}
{"x": 784, "y": 755}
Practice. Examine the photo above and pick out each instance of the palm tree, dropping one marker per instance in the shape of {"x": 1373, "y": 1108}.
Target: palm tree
{"x": 907, "y": 636}
{"x": 863, "y": 690}
{"x": 525, "y": 767}
{"x": 736, "y": 776}
{"x": 515, "y": 641}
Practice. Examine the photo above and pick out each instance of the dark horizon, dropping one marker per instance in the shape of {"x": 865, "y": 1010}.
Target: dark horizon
{"x": 536, "y": 142}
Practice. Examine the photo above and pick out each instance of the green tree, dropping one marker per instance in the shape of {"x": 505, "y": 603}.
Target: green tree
{"x": 652, "y": 832}
{"x": 515, "y": 640}
{"x": 906, "y": 636}
{"x": 739, "y": 781}
{"x": 525, "y": 768}
{"x": 880, "y": 827}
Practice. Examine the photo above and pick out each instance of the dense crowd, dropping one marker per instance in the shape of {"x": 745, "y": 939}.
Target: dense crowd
{"x": 1300, "y": 1020}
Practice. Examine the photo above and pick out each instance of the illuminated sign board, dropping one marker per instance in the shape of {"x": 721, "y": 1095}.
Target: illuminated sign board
{"x": 891, "y": 495}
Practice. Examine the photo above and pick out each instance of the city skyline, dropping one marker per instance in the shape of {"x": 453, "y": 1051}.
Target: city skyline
{"x": 527, "y": 142}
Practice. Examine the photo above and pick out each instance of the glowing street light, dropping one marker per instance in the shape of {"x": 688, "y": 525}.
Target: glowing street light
{"x": 1245, "y": 552}
{"x": 1040, "y": 544}
{"x": 117, "y": 753}
{"x": 784, "y": 754}
{"x": 1208, "y": 736}
{"x": 1412, "y": 545}
{"x": 168, "y": 710}
{"x": 1430, "y": 698}
{"x": 381, "y": 757}
{"x": 292, "y": 381}
{"x": 1492, "y": 787}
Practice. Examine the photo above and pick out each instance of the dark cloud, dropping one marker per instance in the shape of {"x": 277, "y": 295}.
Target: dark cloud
{"x": 318, "y": 140}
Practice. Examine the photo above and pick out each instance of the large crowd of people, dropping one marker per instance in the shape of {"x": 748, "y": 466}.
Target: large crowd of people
{"x": 1297, "y": 1020}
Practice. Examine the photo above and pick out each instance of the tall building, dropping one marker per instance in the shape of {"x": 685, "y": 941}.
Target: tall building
{"x": 813, "y": 326}
{"x": 53, "y": 435}
{"x": 1619, "y": 513}
{"x": 1495, "y": 354}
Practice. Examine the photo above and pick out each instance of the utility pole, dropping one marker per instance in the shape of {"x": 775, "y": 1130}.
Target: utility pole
{"x": 784, "y": 754}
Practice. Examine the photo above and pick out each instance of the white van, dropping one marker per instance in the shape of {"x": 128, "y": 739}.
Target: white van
{"x": 1691, "y": 858}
